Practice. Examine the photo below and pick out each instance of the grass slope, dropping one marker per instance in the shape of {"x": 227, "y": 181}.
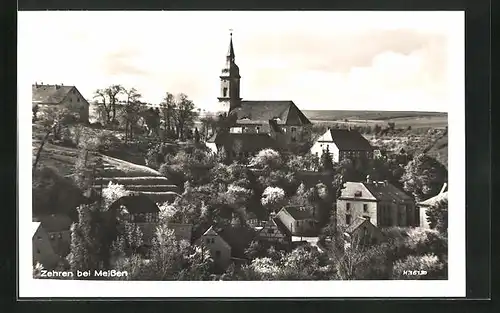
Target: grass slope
{"x": 134, "y": 177}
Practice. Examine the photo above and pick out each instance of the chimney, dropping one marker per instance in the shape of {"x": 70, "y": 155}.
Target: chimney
{"x": 444, "y": 188}
{"x": 36, "y": 84}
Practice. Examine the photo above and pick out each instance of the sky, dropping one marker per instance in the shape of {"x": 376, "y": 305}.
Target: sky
{"x": 320, "y": 60}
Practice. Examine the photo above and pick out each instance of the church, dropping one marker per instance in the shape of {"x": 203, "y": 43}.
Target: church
{"x": 281, "y": 122}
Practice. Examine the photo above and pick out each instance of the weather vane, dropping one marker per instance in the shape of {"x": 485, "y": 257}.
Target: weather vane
{"x": 230, "y": 32}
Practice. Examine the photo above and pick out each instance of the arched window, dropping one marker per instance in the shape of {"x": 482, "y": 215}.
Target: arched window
{"x": 224, "y": 92}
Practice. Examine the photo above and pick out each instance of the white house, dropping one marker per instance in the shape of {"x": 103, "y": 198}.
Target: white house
{"x": 342, "y": 144}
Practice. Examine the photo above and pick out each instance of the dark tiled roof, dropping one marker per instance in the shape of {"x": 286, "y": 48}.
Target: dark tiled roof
{"x": 348, "y": 140}
{"x": 54, "y": 222}
{"x": 49, "y": 94}
{"x": 286, "y": 112}
{"x": 246, "y": 142}
{"x": 432, "y": 201}
{"x": 137, "y": 203}
{"x": 384, "y": 191}
{"x": 238, "y": 237}
{"x": 355, "y": 224}
{"x": 299, "y": 213}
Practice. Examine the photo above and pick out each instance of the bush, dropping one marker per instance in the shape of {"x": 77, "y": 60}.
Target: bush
{"x": 428, "y": 263}
{"x": 53, "y": 193}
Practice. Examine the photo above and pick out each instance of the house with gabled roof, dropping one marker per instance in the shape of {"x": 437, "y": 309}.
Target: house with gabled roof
{"x": 226, "y": 243}
{"x": 423, "y": 206}
{"x": 260, "y": 116}
{"x": 379, "y": 201}
{"x": 275, "y": 232}
{"x": 43, "y": 251}
{"x": 363, "y": 231}
{"x": 60, "y": 96}
{"x": 58, "y": 229}
{"x": 140, "y": 210}
{"x": 300, "y": 221}
{"x": 342, "y": 144}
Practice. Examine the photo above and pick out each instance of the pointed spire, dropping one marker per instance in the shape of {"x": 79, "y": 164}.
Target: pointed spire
{"x": 230, "y": 52}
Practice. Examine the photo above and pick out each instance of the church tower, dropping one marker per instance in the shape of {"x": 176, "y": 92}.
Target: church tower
{"x": 229, "y": 82}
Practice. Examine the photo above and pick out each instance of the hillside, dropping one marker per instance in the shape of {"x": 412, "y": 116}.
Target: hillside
{"x": 400, "y": 118}
{"x": 134, "y": 177}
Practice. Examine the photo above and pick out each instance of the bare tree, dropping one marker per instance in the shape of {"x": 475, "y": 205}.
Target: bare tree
{"x": 108, "y": 100}
{"x": 168, "y": 108}
{"x": 131, "y": 111}
{"x": 113, "y": 92}
{"x": 103, "y": 106}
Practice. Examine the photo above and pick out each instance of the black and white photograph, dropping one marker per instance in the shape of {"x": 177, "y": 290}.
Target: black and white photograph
{"x": 247, "y": 154}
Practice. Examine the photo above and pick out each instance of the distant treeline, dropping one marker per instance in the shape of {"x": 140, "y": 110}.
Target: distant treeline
{"x": 332, "y": 115}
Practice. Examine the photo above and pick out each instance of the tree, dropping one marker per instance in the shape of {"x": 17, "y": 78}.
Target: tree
{"x": 113, "y": 192}
{"x": 184, "y": 115}
{"x": 168, "y": 109}
{"x": 131, "y": 111}
{"x": 34, "y": 109}
{"x": 107, "y": 102}
{"x": 196, "y": 135}
{"x": 152, "y": 119}
{"x": 272, "y": 198}
{"x": 84, "y": 248}
{"x": 53, "y": 193}
{"x": 267, "y": 159}
{"x": 424, "y": 176}
{"x": 437, "y": 215}
{"x": 327, "y": 161}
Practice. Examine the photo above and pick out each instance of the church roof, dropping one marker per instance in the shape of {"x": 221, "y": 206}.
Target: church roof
{"x": 261, "y": 111}
{"x": 346, "y": 139}
{"x": 49, "y": 94}
{"x": 244, "y": 142}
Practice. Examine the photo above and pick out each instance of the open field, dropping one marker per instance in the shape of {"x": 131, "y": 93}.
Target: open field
{"x": 370, "y": 118}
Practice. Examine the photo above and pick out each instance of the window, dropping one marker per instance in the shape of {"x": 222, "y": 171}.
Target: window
{"x": 207, "y": 241}
{"x": 311, "y": 223}
{"x": 77, "y": 99}
{"x": 294, "y": 139}
{"x": 38, "y": 251}
{"x": 217, "y": 254}
{"x": 348, "y": 219}
{"x": 39, "y": 237}
{"x": 357, "y": 194}
{"x": 270, "y": 231}
{"x": 257, "y": 128}
{"x": 348, "y": 206}
{"x": 52, "y": 237}
{"x": 293, "y": 129}
{"x": 365, "y": 207}
{"x": 224, "y": 91}
{"x": 213, "y": 240}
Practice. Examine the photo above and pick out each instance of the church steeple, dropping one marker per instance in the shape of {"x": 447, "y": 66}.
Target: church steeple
{"x": 230, "y": 81}
{"x": 230, "y": 52}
